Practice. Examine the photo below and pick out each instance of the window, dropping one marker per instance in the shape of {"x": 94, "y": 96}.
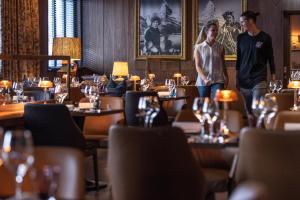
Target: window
{"x": 63, "y": 21}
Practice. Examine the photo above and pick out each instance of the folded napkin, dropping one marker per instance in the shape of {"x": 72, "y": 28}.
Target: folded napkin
{"x": 291, "y": 126}
{"x": 188, "y": 127}
{"x": 85, "y": 105}
{"x": 163, "y": 93}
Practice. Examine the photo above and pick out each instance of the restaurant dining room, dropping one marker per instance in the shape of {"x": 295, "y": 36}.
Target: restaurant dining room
{"x": 149, "y": 99}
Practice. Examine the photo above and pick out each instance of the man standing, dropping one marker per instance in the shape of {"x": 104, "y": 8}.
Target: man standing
{"x": 254, "y": 51}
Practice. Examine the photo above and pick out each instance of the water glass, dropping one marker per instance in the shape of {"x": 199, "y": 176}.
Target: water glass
{"x": 18, "y": 89}
{"x": 48, "y": 182}
{"x": 17, "y": 155}
{"x": 184, "y": 80}
{"x": 75, "y": 82}
{"x": 149, "y": 108}
{"x": 272, "y": 86}
{"x": 61, "y": 92}
{"x": 56, "y": 81}
{"x": 279, "y": 85}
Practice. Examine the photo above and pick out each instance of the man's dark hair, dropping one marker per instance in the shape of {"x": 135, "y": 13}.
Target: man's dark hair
{"x": 250, "y": 15}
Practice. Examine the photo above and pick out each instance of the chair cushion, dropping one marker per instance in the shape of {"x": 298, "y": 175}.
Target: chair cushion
{"x": 115, "y": 89}
{"x": 216, "y": 179}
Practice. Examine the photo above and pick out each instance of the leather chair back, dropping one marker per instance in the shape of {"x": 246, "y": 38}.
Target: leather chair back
{"x": 99, "y": 125}
{"x": 272, "y": 159}
{"x": 52, "y": 125}
{"x": 284, "y": 100}
{"x": 173, "y": 107}
{"x": 284, "y": 117}
{"x": 152, "y": 164}
{"x": 131, "y": 109}
{"x": 192, "y": 92}
{"x": 71, "y": 184}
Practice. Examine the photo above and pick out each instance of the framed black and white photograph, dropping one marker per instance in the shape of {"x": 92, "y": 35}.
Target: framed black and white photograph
{"x": 160, "y": 29}
{"x": 226, "y": 14}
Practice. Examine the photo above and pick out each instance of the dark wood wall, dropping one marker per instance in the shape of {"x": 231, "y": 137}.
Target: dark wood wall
{"x": 108, "y": 36}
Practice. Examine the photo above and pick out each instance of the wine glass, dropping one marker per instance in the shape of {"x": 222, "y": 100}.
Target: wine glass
{"x": 170, "y": 83}
{"x": 272, "y": 86}
{"x": 61, "y": 92}
{"x": 258, "y": 105}
{"x": 145, "y": 84}
{"x": 184, "y": 80}
{"x": 198, "y": 112}
{"x": 270, "y": 111}
{"x": 18, "y": 89}
{"x": 279, "y": 85}
{"x": 149, "y": 107}
{"x": 36, "y": 81}
{"x": 17, "y": 155}
{"x": 75, "y": 82}
{"x": 57, "y": 81}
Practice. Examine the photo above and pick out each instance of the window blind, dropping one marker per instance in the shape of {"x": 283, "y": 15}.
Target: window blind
{"x": 63, "y": 21}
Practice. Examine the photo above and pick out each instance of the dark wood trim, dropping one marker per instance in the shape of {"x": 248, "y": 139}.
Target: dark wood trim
{"x": 43, "y": 16}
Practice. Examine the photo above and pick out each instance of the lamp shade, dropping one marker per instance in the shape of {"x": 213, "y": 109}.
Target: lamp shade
{"x": 294, "y": 84}
{"x": 135, "y": 78}
{"x": 177, "y": 75}
{"x": 45, "y": 84}
{"x": 120, "y": 69}
{"x": 65, "y": 46}
{"x": 226, "y": 95}
{"x": 5, "y": 83}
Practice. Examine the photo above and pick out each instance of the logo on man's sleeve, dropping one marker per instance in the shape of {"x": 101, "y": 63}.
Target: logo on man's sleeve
{"x": 259, "y": 44}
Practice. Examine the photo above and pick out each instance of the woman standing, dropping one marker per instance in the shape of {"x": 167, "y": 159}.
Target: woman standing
{"x": 210, "y": 62}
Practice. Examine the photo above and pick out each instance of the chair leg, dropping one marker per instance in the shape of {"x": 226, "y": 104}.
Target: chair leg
{"x": 95, "y": 164}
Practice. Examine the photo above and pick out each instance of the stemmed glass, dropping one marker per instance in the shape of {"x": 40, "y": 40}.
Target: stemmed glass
{"x": 184, "y": 80}
{"x": 198, "y": 112}
{"x": 145, "y": 84}
{"x": 270, "y": 111}
{"x": 57, "y": 81}
{"x": 279, "y": 85}
{"x": 17, "y": 155}
{"x": 61, "y": 92}
{"x": 18, "y": 88}
{"x": 75, "y": 82}
{"x": 272, "y": 86}
{"x": 170, "y": 83}
{"x": 149, "y": 108}
{"x": 36, "y": 81}
{"x": 258, "y": 104}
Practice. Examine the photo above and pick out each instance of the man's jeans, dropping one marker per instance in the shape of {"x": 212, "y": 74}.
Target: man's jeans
{"x": 248, "y": 95}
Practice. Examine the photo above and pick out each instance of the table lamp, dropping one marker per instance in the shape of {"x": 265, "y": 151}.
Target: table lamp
{"x": 120, "y": 69}
{"x": 134, "y": 79}
{"x": 5, "y": 84}
{"x": 67, "y": 46}
{"x": 294, "y": 85}
{"x": 45, "y": 84}
{"x": 225, "y": 96}
{"x": 177, "y": 76}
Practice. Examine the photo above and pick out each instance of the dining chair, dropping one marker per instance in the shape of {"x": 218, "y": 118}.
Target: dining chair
{"x": 131, "y": 109}
{"x": 151, "y": 164}
{"x": 71, "y": 177}
{"x": 174, "y": 106}
{"x": 96, "y": 127}
{"x": 216, "y": 163}
{"x": 284, "y": 118}
{"x": 270, "y": 158}
{"x": 284, "y": 100}
{"x": 250, "y": 191}
{"x": 52, "y": 125}
{"x": 192, "y": 92}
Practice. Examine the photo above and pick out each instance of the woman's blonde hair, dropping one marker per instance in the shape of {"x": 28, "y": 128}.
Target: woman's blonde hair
{"x": 203, "y": 33}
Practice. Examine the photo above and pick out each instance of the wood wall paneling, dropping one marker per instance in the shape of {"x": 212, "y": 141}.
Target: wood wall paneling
{"x": 108, "y": 35}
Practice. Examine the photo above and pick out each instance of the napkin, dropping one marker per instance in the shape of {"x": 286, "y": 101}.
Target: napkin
{"x": 291, "y": 126}
{"x": 188, "y": 127}
{"x": 85, "y": 105}
{"x": 163, "y": 93}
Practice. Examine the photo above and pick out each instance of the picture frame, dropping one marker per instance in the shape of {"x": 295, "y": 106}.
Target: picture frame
{"x": 167, "y": 40}
{"x": 226, "y": 14}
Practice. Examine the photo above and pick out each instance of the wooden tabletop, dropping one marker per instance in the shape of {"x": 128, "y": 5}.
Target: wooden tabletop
{"x": 97, "y": 113}
{"x": 168, "y": 98}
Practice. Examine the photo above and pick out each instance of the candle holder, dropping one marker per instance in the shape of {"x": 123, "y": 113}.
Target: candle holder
{"x": 225, "y": 96}
{"x": 45, "y": 84}
{"x": 294, "y": 85}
